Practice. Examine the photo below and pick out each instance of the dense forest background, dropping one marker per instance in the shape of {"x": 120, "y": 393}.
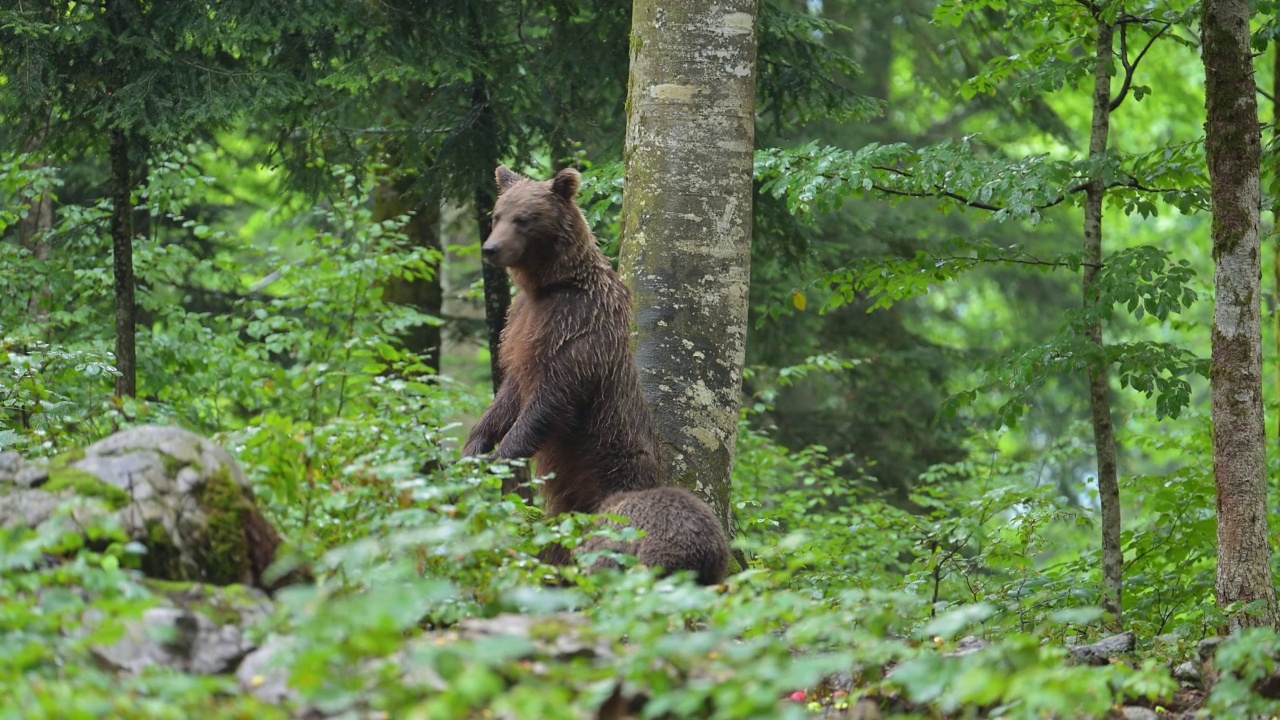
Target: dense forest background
{"x": 261, "y": 222}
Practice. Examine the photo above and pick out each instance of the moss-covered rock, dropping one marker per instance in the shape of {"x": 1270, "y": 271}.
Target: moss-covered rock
{"x": 66, "y": 459}
{"x": 163, "y": 558}
{"x": 225, "y": 605}
{"x": 175, "y": 492}
{"x": 194, "y": 628}
{"x": 84, "y": 484}
{"x": 226, "y": 557}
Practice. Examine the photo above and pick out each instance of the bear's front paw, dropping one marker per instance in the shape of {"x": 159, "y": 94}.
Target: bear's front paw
{"x": 475, "y": 448}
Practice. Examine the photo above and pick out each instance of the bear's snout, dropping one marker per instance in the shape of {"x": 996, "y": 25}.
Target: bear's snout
{"x": 501, "y": 252}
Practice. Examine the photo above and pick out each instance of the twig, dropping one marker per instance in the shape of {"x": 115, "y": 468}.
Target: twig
{"x": 1131, "y": 69}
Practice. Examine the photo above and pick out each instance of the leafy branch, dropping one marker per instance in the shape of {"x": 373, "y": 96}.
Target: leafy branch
{"x": 816, "y": 180}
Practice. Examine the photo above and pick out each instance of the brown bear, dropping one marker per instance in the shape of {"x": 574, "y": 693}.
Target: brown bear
{"x": 681, "y": 533}
{"x": 572, "y": 398}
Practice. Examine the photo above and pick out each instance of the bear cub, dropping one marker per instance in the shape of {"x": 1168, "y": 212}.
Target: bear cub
{"x": 572, "y": 398}
{"x": 682, "y": 533}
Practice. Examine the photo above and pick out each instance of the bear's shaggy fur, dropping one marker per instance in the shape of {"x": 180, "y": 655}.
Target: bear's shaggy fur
{"x": 572, "y": 397}
{"x": 681, "y": 533}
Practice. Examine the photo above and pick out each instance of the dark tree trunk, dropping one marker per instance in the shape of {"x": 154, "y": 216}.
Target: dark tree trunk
{"x": 400, "y": 196}
{"x": 1104, "y": 434}
{"x": 122, "y": 251}
{"x": 1233, "y": 143}
{"x": 497, "y": 286}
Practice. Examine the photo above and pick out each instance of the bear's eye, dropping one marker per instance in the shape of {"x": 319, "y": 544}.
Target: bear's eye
{"x": 521, "y": 220}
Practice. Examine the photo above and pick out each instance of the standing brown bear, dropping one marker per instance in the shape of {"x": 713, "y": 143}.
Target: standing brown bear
{"x": 572, "y": 397}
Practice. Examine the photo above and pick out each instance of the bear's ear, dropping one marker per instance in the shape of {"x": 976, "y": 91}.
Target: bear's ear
{"x": 506, "y": 177}
{"x": 565, "y": 183}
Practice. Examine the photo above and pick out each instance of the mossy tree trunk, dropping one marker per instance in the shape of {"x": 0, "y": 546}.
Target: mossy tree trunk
{"x": 1275, "y": 221}
{"x": 686, "y": 215}
{"x": 1104, "y": 434}
{"x": 1233, "y": 144}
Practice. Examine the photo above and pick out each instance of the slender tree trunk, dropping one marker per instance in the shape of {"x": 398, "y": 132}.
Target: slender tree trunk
{"x": 497, "y": 286}
{"x": 686, "y": 247}
{"x": 1233, "y": 143}
{"x": 1275, "y": 226}
{"x": 396, "y": 197}
{"x": 1104, "y": 434}
{"x": 122, "y": 250}
{"x": 1275, "y": 304}
{"x": 33, "y": 231}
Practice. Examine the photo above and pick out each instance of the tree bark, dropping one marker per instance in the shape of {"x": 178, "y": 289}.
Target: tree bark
{"x": 1104, "y": 434}
{"x": 122, "y": 251}
{"x": 686, "y": 217}
{"x": 497, "y": 286}
{"x": 1275, "y": 222}
{"x": 395, "y": 197}
{"x": 1233, "y": 143}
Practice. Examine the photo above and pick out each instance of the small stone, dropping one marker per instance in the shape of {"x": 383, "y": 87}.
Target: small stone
{"x": 1133, "y": 712}
{"x": 865, "y": 710}
{"x": 263, "y": 675}
{"x": 1101, "y": 652}
{"x": 10, "y": 463}
{"x": 1208, "y": 648}
{"x": 31, "y": 476}
{"x": 968, "y": 645}
{"x": 1188, "y": 672}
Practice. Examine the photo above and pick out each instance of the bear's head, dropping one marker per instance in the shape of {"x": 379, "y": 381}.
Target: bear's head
{"x": 530, "y": 217}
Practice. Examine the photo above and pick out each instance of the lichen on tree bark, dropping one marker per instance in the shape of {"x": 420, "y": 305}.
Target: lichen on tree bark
{"x": 1233, "y": 144}
{"x": 687, "y": 227}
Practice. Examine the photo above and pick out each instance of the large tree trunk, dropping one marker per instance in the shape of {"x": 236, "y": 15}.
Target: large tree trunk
{"x": 395, "y": 197}
{"x": 686, "y": 219}
{"x": 1233, "y": 143}
{"x": 1104, "y": 434}
{"x": 122, "y": 250}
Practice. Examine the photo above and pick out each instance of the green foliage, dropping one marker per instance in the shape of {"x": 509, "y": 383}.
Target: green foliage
{"x": 803, "y": 80}
{"x": 817, "y": 180}
{"x": 1244, "y": 661}
{"x": 55, "y": 613}
{"x": 880, "y": 532}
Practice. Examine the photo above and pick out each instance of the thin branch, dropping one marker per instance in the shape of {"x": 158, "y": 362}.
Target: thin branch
{"x": 1092, "y": 7}
{"x": 939, "y": 191}
{"x": 1131, "y": 69}
{"x": 1020, "y": 261}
